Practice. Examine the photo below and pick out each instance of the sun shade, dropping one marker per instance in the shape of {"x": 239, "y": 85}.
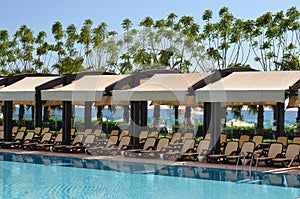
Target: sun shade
{"x": 23, "y": 90}
{"x": 87, "y": 88}
{"x": 249, "y": 87}
{"x": 161, "y": 87}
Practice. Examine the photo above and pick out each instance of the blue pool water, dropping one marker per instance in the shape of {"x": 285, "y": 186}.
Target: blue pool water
{"x": 30, "y": 176}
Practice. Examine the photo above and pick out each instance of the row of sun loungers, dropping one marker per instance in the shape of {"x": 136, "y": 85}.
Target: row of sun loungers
{"x": 180, "y": 146}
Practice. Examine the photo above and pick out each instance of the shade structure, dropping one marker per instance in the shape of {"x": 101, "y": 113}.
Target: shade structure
{"x": 88, "y": 88}
{"x": 162, "y": 88}
{"x": 250, "y": 87}
{"x": 24, "y": 90}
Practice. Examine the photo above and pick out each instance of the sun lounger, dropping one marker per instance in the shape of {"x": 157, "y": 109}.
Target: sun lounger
{"x": 154, "y": 151}
{"x": 77, "y": 141}
{"x": 245, "y": 152}
{"x": 176, "y": 153}
{"x": 47, "y": 146}
{"x": 115, "y": 149}
{"x": 230, "y": 148}
{"x": 243, "y": 138}
{"x": 110, "y": 143}
{"x": 291, "y": 154}
{"x": 18, "y": 139}
{"x": 89, "y": 141}
{"x": 142, "y": 137}
{"x": 257, "y": 139}
{"x": 296, "y": 140}
{"x": 200, "y": 152}
{"x": 46, "y": 139}
{"x": 87, "y": 132}
{"x": 274, "y": 150}
{"x": 149, "y": 144}
{"x": 175, "y": 138}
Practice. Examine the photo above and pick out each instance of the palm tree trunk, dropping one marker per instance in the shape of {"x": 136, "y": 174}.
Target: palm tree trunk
{"x": 298, "y": 119}
{"x": 260, "y": 119}
{"x": 126, "y": 114}
{"x": 21, "y": 114}
{"x": 187, "y": 115}
{"x": 156, "y": 116}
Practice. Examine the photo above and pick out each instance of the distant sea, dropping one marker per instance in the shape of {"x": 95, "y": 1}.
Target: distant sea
{"x": 168, "y": 116}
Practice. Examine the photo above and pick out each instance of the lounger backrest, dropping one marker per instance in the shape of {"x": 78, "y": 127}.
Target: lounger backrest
{"x": 143, "y": 135}
{"x": 296, "y": 140}
{"x": 257, "y": 139}
{"x": 90, "y": 139}
{"x": 58, "y": 138}
{"x": 1, "y": 135}
{"x": 1, "y": 128}
{"x": 223, "y": 137}
{"x": 46, "y": 130}
{"x": 187, "y": 135}
{"x": 207, "y": 136}
{"x": 78, "y": 139}
{"x": 123, "y": 133}
{"x": 292, "y": 151}
{"x": 162, "y": 143}
{"x": 97, "y": 132}
{"x": 203, "y": 146}
{"x": 37, "y": 130}
{"x": 15, "y": 129}
{"x": 187, "y": 145}
{"x": 243, "y": 138}
{"x": 124, "y": 142}
{"x": 87, "y": 132}
{"x": 230, "y": 147}
{"x": 114, "y": 132}
{"x": 282, "y": 139}
{"x": 29, "y": 136}
{"x": 20, "y": 135}
{"x": 23, "y": 128}
{"x": 150, "y": 142}
{"x": 46, "y": 137}
{"x": 248, "y": 147}
{"x": 175, "y": 138}
{"x": 73, "y": 130}
{"x": 275, "y": 148}
{"x": 112, "y": 140}
{"x": 154, "y": 134}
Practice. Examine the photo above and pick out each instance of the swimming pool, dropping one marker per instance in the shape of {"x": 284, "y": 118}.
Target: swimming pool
{"x": 32, "y": 176}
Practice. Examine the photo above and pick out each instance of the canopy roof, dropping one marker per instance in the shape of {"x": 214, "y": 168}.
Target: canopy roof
{"x": 24, "y": 90}
{"x": 161, "y": 87}
{"x": 250, "y": 87}
{"x": 87, "y": 88}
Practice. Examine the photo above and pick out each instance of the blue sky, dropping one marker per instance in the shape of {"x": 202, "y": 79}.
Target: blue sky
{"x": 40, "y": 15}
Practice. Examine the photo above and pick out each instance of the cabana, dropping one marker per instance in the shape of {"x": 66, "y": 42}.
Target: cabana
{"x": 138, "y": 112}
{"x": 22, "y": 89}
{"x": 162, "y": 89}
{"x": 85, "y": 90}
{"x": 244, "y": 88}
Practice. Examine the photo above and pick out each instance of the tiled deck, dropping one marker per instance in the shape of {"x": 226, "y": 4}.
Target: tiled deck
{"x": 295, "y": 169}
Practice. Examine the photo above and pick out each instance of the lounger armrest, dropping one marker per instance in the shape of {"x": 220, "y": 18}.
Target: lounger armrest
{"x": 235, "y": 152}
{"x": 112, "y": 146}
{"x": 150, "y": 147}
{"x": 280, "y": 155}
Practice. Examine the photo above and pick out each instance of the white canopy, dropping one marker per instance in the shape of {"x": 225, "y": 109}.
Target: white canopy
{"x": 23, "y": 90}
{"x": 249, "y": 87}
{"x": 161, "y": 87}
{"x": 87, "y": 88}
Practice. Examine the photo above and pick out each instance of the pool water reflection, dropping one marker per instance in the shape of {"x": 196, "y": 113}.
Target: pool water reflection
{"x": 59, "y": 177}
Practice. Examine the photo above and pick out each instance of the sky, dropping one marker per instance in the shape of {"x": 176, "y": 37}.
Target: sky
{"x": 40, "y": 15}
